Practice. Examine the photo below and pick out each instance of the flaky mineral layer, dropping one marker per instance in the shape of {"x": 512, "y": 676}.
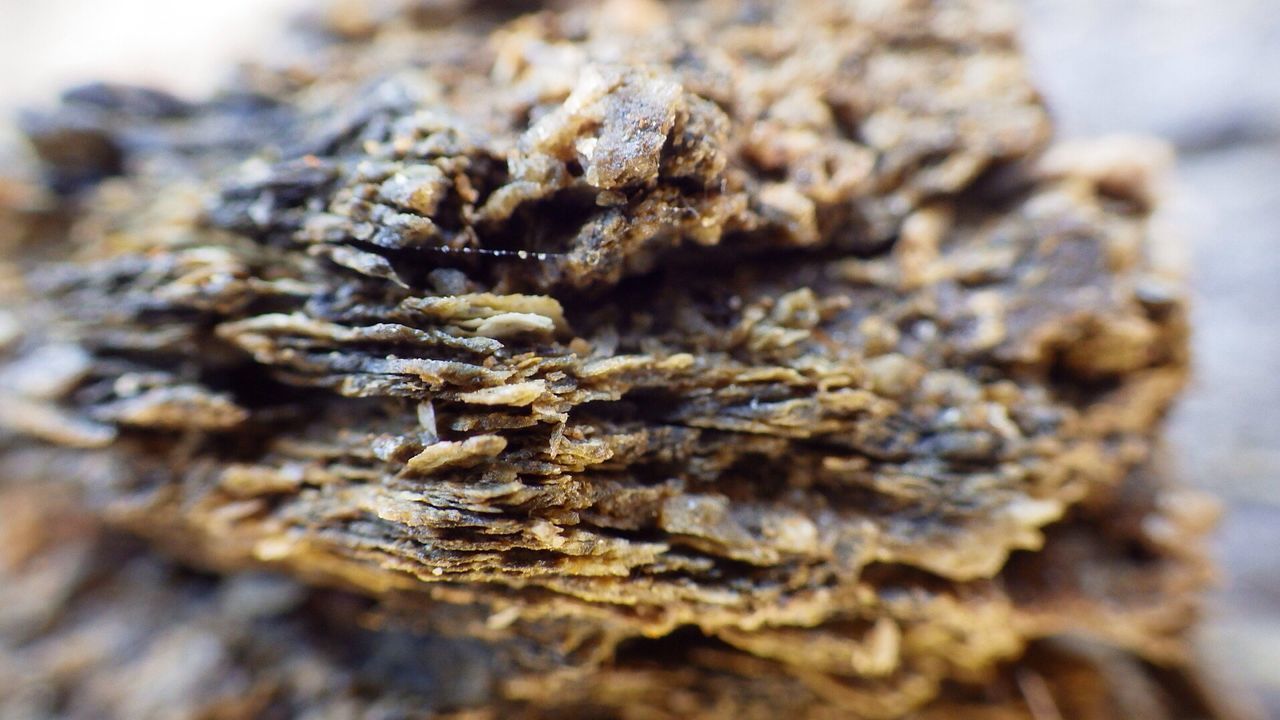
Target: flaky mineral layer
{"x": 93, "y": 627}
{"x": 762, "y": 355}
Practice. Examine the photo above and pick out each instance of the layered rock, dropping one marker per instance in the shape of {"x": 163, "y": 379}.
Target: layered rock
{"x": 700, "y": 359}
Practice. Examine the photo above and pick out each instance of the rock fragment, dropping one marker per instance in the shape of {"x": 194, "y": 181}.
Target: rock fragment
{"x": 754, "y": 360}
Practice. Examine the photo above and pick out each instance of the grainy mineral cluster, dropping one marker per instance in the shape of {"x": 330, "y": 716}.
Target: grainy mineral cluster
{"x": 626, "y": 359}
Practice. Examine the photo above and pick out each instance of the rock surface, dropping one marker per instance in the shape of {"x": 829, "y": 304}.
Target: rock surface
{"x": 688, "y": 360}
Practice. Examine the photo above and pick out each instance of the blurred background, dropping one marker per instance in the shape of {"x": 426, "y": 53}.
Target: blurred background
{"x": 1203, "y": 74}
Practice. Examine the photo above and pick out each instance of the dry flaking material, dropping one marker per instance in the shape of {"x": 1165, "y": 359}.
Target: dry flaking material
{"x": 689, "y": 359}
{"x": 94, "y": 627}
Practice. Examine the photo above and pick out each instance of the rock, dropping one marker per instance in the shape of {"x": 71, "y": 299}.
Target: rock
{"x": 743, "y": 361}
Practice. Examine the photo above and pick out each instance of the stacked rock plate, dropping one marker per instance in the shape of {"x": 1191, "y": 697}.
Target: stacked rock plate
{"x": 629, "y": 359}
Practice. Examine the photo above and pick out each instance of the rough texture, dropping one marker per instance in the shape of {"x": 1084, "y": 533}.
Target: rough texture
{"x": 94, "y": 627}
{"x": 703, "y": 359}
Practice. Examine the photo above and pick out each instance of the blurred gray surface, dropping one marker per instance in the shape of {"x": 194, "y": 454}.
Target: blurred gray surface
{"x": 1198, "y": 72}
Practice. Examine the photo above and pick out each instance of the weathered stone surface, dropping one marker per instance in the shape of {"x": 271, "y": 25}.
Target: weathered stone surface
{"x": 698, "y": 354}
{"x": 93, "y": 627}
